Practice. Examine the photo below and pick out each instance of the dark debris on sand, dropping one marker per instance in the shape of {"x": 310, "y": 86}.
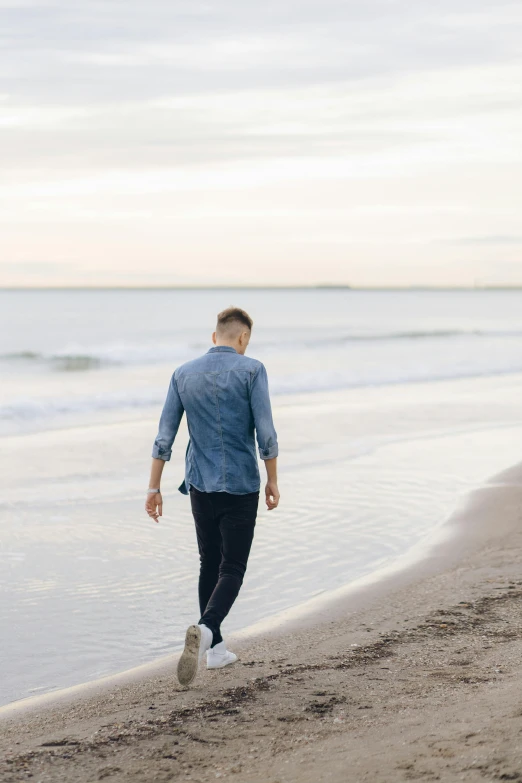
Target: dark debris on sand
{"x": 305, "y": 692}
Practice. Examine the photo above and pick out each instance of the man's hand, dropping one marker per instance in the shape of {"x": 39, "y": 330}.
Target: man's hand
{"x": 154, "y": 505}
{"x": 271, "y": 495}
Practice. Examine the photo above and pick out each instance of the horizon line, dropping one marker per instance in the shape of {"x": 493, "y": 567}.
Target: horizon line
{"x": 222, "y": 287}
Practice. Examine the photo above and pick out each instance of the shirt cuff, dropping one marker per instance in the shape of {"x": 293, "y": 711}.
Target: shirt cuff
{"x": 160, "y": 452}
{"x": 270, "y": 452}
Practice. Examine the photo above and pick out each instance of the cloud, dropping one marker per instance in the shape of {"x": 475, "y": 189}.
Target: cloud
{"x": 387, "y": 125}
{"x": 114, "y": 51}
{"x": 29, "y": 269}
{"x": 494, "y": 239}
{"x": 451, "y": 113}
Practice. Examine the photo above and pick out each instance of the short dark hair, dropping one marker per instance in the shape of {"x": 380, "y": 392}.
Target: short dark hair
{"x": 231, "y": 315}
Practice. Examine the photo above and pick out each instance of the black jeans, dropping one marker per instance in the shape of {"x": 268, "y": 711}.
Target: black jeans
{"x": 225, "y": 528}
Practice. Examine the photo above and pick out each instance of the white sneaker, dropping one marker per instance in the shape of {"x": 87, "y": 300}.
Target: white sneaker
{"x": 219, "y": 656}
{"x": 197, "y": 641}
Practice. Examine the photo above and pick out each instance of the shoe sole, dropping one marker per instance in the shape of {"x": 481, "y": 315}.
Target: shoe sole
{"x": 189, "y": 661}
{"x": 222, "y": 665}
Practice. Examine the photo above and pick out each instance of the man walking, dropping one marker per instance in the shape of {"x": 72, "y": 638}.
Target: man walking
{"x": 225, "y": 396}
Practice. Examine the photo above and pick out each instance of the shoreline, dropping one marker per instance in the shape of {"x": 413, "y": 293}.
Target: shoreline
{"x": 439, "y": 550}
{"x": 415, "y": 677}
{"x": 391, "y": 473}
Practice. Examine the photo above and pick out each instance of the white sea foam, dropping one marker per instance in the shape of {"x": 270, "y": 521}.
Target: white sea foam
{"x": 310, "y": 374}
{"x": 77, "y": 357}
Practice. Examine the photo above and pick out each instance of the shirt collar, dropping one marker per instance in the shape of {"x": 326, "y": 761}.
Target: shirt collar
{"x": 216, "y": 348}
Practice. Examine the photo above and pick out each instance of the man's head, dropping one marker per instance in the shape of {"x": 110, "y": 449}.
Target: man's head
{"x": 233, "y": 328}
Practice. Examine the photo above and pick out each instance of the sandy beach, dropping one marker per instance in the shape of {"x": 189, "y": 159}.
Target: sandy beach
{"x": 414, "y": 676}
{"x": 274, "y": 247}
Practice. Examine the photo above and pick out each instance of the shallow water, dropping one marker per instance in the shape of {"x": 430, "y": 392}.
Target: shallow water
{"x": 91, "y": 586}
{"x": 370, "y": 461}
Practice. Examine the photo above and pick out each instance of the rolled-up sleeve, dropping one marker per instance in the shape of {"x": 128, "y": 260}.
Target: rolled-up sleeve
{"x": 262, "y": 413}
{"x": 169, "y": 423}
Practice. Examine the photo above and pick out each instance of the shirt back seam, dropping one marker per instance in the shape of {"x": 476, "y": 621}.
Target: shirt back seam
{"x": 221, "y": 436}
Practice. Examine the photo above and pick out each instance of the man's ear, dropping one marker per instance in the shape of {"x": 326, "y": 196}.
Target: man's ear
{"x": 214, "y": 338}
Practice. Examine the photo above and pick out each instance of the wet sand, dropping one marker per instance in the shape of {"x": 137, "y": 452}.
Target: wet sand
{"x": 416, "y": 676}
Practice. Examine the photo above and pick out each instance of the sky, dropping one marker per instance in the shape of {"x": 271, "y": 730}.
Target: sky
{"x": 178, "y": 142}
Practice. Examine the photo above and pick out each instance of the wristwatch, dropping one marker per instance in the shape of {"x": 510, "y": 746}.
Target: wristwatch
{"x": 153, "y": 491}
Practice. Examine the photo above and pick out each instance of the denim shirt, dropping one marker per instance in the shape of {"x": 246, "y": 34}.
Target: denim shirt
{"x": 225, "y": 396}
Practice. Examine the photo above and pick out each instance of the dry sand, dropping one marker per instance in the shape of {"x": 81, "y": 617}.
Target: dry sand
{"x": 417, "y": 677}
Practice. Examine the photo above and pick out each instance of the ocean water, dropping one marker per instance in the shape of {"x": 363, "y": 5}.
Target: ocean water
{"x": 83, "y": 352}
{"x": 390, "y": 407}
